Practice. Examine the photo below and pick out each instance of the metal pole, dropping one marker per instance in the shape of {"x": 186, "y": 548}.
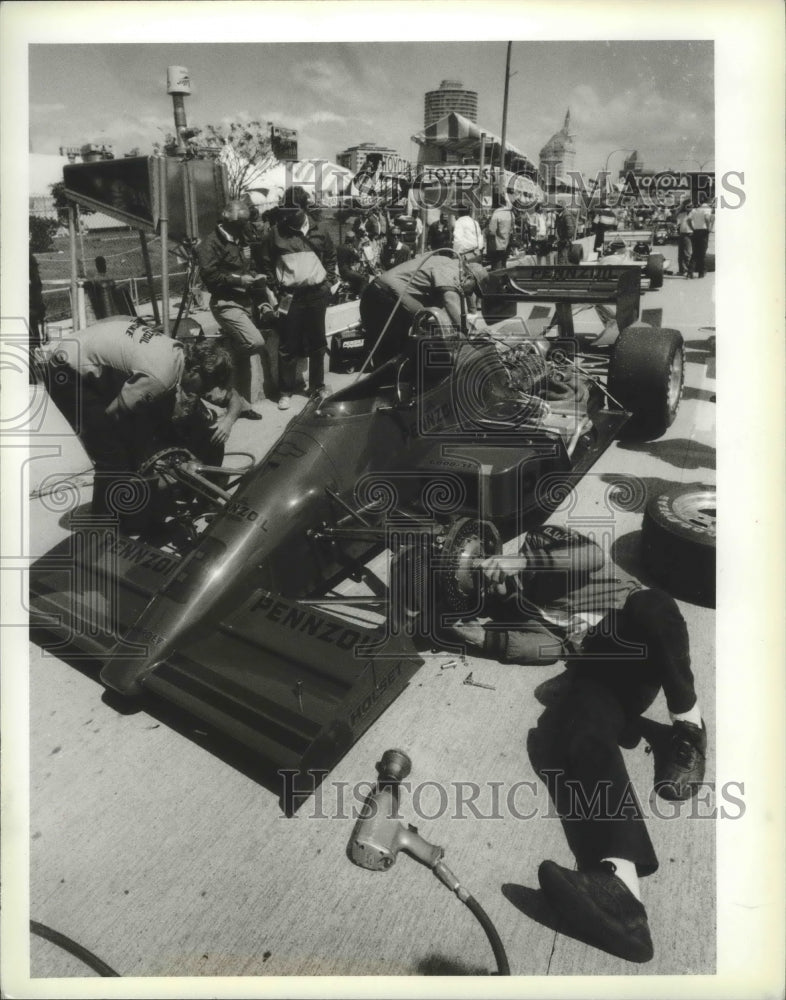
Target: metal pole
{"x": 504, "y": 124}
{"x": 149, "y": 273}
{"x": 72, "y": 244}
{"x": 163, "y": 219}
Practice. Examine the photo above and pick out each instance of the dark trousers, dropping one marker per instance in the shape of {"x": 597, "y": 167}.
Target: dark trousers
{"x": 684, "y": 253}
{"x": 612, "y": 684}
{"x": 699, "y": 240}
{"x": 302, "y": 335}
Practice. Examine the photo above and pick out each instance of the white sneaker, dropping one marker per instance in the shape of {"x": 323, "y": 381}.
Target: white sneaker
{"x": 284, "y": 402}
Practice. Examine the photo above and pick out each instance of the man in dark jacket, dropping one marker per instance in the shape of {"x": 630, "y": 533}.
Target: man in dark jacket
{"x": 299, "y": 261}
{"x": 225, "y": 270}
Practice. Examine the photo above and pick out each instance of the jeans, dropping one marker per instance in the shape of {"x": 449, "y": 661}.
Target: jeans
{"x": 236, "y": 321}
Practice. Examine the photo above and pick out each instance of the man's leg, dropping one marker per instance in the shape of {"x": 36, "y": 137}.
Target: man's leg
{"x": 654, "y": 618}
{"x": 704, "y": 238}
{"x": 248, "y": 343}
{"x": 594, "y": 795}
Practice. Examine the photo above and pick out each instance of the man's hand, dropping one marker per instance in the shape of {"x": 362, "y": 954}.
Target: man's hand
{"x": 496, "y": 580}
{"x": 221, "y": 429}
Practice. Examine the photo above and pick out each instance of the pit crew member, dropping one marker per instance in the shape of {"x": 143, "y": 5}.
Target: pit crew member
{"x": 390, "y": 302}
{"x": 129, "y": 391}
{"x": 622, "y": 645}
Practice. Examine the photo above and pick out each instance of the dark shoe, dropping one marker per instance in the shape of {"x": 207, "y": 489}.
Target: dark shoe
{"x": 250, "y": 414}
{"x": 599, "y": 908}
{"x": 682, "y": 771}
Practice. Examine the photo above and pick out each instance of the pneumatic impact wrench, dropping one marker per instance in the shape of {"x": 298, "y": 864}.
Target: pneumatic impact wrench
{"x": 379, "y": 835}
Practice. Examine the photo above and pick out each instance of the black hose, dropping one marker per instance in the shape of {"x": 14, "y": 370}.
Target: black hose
{"x": 77, "y": 950}
{"x": 503, "y": 968}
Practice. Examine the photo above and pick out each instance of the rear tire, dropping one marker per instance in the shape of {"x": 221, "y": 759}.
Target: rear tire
{"x": 654, "y": 270}
{"x": 709, "y": 262}
{"x": 678, "y": 541}
{"x": 646, "y": 376}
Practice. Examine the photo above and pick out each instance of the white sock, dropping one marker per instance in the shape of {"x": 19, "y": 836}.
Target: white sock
{"x": 626, "y": 872}
{"x": 693, "y": 715}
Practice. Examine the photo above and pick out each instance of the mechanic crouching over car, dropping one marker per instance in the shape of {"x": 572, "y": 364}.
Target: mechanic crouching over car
{"x": 128, "y": 391}
{"x": 391, "y": 301}
{"x": 622, "y": 644}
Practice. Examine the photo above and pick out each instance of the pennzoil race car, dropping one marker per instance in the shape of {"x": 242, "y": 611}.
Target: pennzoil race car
{"x": 460, "y": 440}
{"x": 635, "y": 247}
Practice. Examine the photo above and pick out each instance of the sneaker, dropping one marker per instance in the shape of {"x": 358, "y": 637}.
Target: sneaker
{"x": 599, "y": 908}
{"x": 284, "y": 402}
{"x": 681, "y": 773}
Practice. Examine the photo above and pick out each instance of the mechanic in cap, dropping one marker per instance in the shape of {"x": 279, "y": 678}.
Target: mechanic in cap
{"x": 128, "y": 391}
{"x": 389, "y": 304}
{"x": 622, "y": 644}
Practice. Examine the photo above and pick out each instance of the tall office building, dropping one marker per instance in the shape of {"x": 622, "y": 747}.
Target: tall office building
{"x": 451, "y": 96}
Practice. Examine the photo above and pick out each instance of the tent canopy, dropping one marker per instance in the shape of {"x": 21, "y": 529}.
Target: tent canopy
{"x": 462, "y": 135}
{"x": 320, "y": 178}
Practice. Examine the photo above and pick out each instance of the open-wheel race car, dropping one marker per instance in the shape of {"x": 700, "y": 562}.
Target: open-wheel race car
{"x": 457, "y": 442}
{"x": 635, "y": 247}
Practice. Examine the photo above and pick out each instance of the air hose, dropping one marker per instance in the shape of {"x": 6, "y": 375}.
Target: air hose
{"x": 71, "y": 946}
{"x": 446, "y": 876}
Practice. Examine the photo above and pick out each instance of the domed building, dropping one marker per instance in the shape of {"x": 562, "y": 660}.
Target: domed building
{"x": 557, "y": 158}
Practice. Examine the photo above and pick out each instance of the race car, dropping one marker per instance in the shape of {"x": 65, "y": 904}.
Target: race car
{"x": 461, "y": 440}
{"x": 635, "y": 247}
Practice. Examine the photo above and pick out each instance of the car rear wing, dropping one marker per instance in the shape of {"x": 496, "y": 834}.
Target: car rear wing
{"x": 565, "y": 286}
{"x": 630, "y": 237}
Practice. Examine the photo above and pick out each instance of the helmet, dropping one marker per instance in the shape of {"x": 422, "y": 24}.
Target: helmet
{"x": 235, "y": 211}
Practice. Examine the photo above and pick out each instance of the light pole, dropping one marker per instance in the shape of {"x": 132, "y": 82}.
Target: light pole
{"x": 620, "y": 149}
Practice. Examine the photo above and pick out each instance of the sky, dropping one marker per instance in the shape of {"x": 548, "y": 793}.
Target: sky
{"x": 652, "y": 96}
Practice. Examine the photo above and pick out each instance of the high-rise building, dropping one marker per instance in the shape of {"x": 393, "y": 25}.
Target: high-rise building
{"x": 354, "y": 157}
{"x": 451, "y": 96}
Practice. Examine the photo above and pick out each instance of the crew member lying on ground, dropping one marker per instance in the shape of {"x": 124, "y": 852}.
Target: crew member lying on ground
{"x": 392, "y": 299}
{"x": 622, "y": 644}
{"x": 128, "y": 391}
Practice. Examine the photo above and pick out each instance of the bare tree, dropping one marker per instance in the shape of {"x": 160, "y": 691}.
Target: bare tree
{"x": 243, "y": 147}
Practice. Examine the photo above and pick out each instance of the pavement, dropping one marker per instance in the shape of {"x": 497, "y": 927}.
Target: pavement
{"x": 161, "y": 853}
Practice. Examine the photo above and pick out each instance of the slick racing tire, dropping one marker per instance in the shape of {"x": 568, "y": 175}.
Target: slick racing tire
{"x": 654, "y": 270}
{"x": 709, "y": 262}
{"x": 576, "y": 253}
{"x": 678, "y": 541}
{"x": 646, "y": 376}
